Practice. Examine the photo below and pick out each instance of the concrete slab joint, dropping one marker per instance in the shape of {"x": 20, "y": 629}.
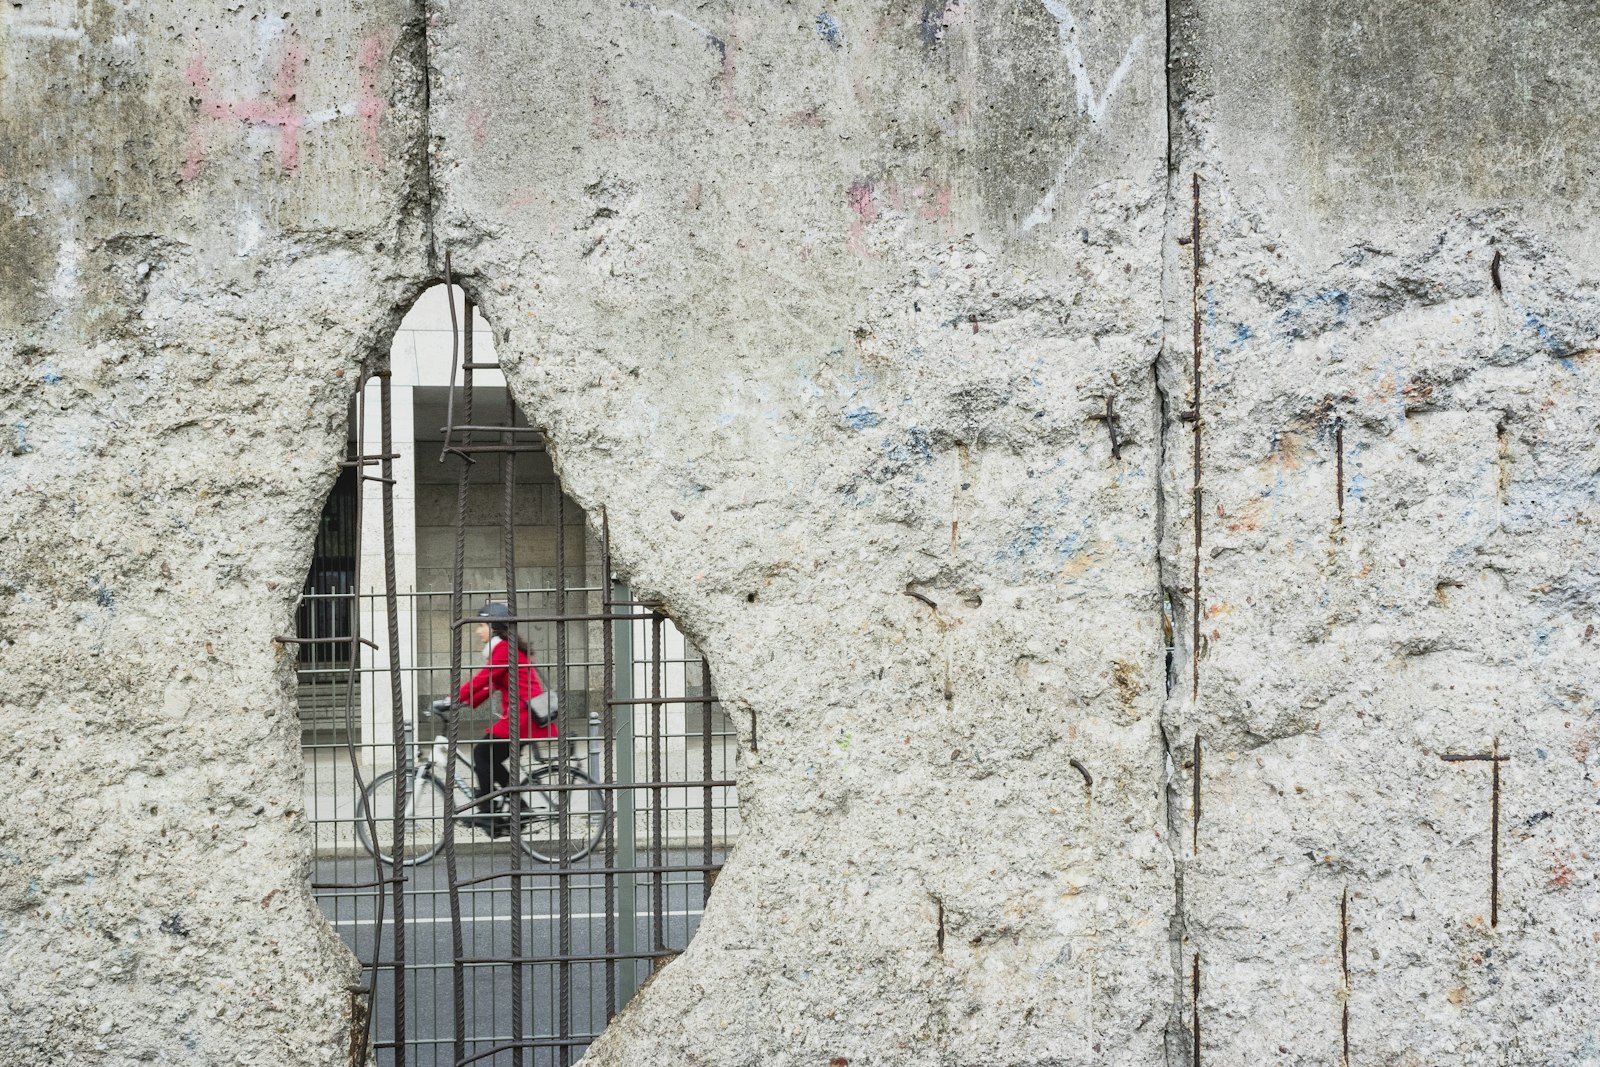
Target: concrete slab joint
{"x": 1136, "y": 464}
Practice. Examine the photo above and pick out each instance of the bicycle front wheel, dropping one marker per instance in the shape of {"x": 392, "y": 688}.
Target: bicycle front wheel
{"x": 421, "y": 806}
{"x": 556, "y": 822}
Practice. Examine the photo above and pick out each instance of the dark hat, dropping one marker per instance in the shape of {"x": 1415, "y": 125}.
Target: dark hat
{"x": 494, "y": 609}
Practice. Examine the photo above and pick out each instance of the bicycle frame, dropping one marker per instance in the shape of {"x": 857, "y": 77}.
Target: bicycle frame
{"x": 431, "y": 767}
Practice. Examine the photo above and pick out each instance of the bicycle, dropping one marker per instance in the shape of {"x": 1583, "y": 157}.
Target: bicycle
{"x": 422, "y": 802}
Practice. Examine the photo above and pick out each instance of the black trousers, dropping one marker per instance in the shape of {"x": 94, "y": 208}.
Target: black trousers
{"x": 490, "y": 759}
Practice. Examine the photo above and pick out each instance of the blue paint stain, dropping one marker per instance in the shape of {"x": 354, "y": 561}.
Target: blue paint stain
{"x": 1289, "y": 319}
{"x": 920, "y": 443}
{"x": 1241, "y": 333}
{"x": 51, "y": 376}
{"x": 19, "y": 444}
{"x": 829, "y": 30}
{"x": 1542, "y": 753}
{"x": 917, "y": 446}
{"x": 862, "y": 418}
{"x": 1357, "y": 487}
{"x": 1551, "y": 341}
{"x": 1023, "y": 544}
{"x": 725, "y": 419}
{"x": 854, "y": 497}
{"x": 103, "y": 596}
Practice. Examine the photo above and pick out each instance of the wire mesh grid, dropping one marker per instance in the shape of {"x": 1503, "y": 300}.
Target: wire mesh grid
{"x": 661, "y": 838}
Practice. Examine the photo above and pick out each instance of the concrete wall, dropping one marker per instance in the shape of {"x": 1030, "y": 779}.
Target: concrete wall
{"x": 821, "y": 306}
{"x": 1392, "y": 211}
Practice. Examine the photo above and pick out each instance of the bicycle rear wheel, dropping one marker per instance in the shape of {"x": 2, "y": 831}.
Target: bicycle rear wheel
{"x": 422, "y": 809}
{"x": 548, "y": 832}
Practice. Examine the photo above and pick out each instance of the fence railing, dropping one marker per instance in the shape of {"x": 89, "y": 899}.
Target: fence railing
{"x": 622, "y": 908}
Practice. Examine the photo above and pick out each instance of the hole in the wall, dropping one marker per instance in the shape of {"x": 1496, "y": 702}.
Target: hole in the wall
{"x": 626, "y": 812}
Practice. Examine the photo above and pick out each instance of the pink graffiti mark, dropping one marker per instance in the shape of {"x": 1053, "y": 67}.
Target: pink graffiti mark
{"x": 477, "y": 126}
{"x": 864, "y": 205}
{"x": 374, "y": 52}
{"x": 283, "y": 111}
{"x": 934, "y": 203}
{"x": 937, "y": 206}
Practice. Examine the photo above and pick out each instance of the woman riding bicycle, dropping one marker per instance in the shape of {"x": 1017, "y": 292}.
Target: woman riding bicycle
{"x": 491, "y": 755}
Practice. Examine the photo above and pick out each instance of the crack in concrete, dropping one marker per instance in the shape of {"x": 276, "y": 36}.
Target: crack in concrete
{"x": 424, "y": 187}
{"x": 1179, "y": 1045}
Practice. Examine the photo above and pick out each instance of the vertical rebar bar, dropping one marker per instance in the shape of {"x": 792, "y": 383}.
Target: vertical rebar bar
{"x": 564, "y": 797}
{"x": 608, "y": 645}
{"x": 706, "y": 776}
{"x": 1194, "y": 845}
{"x": 365, "y": 812}
{"x": 391, "y": 607}
{"x": 1194, "y": 1008}
{"x": 1494, "y": 837}
{"x": 1198, "y": 426}
{"x": 657, "y": 849}
{"x": 453, "y": 723}
{"x": 508, "y": 475}
{"x": 1344, "y": 972}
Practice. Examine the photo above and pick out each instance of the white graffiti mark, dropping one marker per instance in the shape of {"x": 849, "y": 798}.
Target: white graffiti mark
{"x": 711, "y": 39}
{"x": 69, "y": 263}
{"x": 1045, "y": 209}
{"x": 1091, "y": 105}
{"x": 1088, "y": 103}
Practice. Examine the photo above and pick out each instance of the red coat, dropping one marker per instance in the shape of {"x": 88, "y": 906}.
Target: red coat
{"x": 495, "y": 679}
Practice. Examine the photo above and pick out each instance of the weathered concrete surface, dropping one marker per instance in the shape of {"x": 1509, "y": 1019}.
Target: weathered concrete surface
{"x": 201, "y": 242}
{"x": 819, "y": 309}
{"x": 818, "y": 306}
{"x": 1388, "y": 197}
{"x": 1355, "y": 120}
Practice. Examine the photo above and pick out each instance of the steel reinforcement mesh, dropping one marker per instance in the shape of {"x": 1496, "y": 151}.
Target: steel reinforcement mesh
{"x": 511, "y": 938}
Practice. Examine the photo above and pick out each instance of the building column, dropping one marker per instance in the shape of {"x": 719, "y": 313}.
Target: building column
{"x": 376, "y": 704}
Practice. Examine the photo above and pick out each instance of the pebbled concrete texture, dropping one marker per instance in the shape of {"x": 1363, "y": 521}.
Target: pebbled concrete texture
{"x": 819, "y": 307}
{"x": 766, "y": 277}
{"x": 201, "y": 245}
{"x": 1390, "y": 272}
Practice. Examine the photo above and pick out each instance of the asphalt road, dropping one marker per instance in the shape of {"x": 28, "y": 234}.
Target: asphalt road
{"x": 487, "y": 932}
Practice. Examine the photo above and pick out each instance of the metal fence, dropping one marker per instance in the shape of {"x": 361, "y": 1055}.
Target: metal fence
{"x": 512, "y": 939}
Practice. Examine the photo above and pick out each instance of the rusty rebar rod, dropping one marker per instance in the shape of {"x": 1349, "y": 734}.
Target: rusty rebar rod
{"x": 453, "y": 723}
{"x": 1198, "y": 260}
{"x": 1494, "y": 759}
